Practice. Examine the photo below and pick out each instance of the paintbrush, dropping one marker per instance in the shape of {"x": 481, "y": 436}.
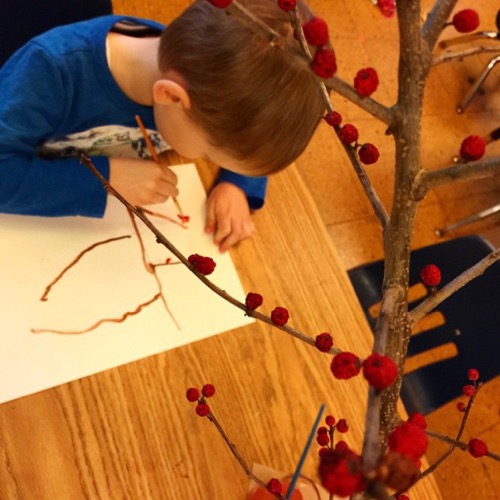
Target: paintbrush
{"x": 156, "y": 158}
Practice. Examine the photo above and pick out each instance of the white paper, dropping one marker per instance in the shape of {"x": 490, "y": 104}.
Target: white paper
{"x": 107, "y": 282}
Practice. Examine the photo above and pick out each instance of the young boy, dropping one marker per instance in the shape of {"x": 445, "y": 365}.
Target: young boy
{"x": 212, "y": 85}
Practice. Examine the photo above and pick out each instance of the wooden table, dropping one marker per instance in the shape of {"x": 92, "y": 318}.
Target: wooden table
{"x": 129, "y": 432}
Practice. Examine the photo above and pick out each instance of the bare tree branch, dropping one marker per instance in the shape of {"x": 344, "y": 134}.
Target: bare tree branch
{"x": 379, "y": 111}
{"x": 480, "y": 169}
{"x": 436, "y": 21}
{"x": 451, "y": 56}
{"x": 436, "y": 298}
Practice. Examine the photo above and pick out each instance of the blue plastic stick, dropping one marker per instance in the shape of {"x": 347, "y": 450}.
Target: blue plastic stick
{"x": 304, "y": 453}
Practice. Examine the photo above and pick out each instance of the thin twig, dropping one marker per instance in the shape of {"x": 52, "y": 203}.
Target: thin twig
{"x": 452, "y": 56}
{"x": 161, "y": 239}
{"x": 237, "y": 454}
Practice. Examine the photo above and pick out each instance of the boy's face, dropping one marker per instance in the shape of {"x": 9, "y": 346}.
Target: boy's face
{"x": 189, "y": 140}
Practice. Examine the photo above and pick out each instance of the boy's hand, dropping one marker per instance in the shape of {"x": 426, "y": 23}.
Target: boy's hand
{"x": 142, "y": 182}
{"x": 228, "y": 216}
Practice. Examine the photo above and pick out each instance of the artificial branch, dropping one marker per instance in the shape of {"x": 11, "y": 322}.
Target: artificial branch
{"x": 452, "y": 56}
{"x": 429, "y": 179}
{"x": 368, "y": 104}
{"x": 161, "y": 239}
{"x": 436, "y": 20}
{"x": 424, "y": 308}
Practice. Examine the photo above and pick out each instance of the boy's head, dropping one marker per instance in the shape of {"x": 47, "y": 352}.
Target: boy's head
{"x": 256, "y": 100}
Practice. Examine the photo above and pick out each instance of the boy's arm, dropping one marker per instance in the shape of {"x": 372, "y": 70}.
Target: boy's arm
{"x": 31, "y": 109}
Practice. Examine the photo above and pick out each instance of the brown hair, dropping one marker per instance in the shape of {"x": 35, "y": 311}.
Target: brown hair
{"x": 256, "y": 99}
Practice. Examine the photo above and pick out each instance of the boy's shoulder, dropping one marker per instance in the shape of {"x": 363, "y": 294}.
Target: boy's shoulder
{"x": 93, "y": 30}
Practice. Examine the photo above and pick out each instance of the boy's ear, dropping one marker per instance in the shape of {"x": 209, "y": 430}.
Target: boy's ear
{"x": 168, "y": 92}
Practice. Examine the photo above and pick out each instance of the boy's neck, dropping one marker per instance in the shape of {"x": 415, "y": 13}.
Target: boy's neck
{"x": 134, "y": 65}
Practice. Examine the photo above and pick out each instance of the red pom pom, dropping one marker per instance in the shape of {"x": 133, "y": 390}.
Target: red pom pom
{"x": 330, "y": 420}
{"x": 202, "y": 265}
{"x": 465, "y": 21}
{"x": 368, "y": 154}
{"x": 324, "y": 63}
{"x": 345, "y": 365}
{"x": 468, "y": 390}
{"x": 430, "y": 275}
{"x": 274, "y": 486}
{"x": 473, "y": 375}
{"x": 472, "y": 148}
{"x": 342, "y": 426}
{"x": 477, "y": 448}
{"x": 202, "y": 409}
{"x": 341, "y": 472}
{"x": 192, "y": 394}
{"x": 348, "y": 134}
{"x": 221, "y": 4}
{"x": 316, "y": 31}
{"x": 380, "y": 371}
{"x": 323, "y": 342}
{"x": 279, "y": 316}
{"x": 418, "y": 419}
{"x": 253, "y": 300}
{"x": 409, "y": 440}
{"x": 387, "y": 7}
{"x": 322, "y": 438}
{"x": 287, "y": 5}
{"x": 208, "y": 390}
{"x": 366, "y": 82}
{"x": 333, "y": 118}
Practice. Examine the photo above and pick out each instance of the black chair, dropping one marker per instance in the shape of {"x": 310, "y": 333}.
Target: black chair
{"x": 479, "y": 36}
{"x": 471, "y": 321}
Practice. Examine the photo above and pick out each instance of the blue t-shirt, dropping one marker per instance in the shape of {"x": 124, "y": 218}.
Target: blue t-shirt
{"x": 60, "y": 84}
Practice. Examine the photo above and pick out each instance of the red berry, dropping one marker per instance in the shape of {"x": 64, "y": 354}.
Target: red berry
{"x": 324, "y": 63}
{"x": 461, "y": 406}
{"x": 330, "y": 420}
{"x": 221, "y": 4}
{"x": 348, "y": 133}
{"x": 465, "y": 21}
{"x": 472, "y": 148}
{"x": 279, "y": 316}
{"x": 477, "y": 448}
{"x": 316, "y": 31}
{"x": 342, "y": 425}
{"x": 202, "y": 409}
{"x": 274, "y": 486}
{"x": 333, "y": 118}
{"x": 192, "y": 394}
{"x": 430, "y": 275}
{"x": 208, "y": 390}
{"x": 366, "y": 82}
{"x": 323, "y": 439}
{"x": 473, "y": 375}
{"x": 253, "y": 300}
{"x": 380, "y": 371}
{"x": 418, "y": 419}
{"x": 409, "y": 440}
{"x": 368, "y": 154}
{"x": 324, "y": 342}
{"x": 287, "y": 5}
{"x": 202, "y": 265}
{"x": 468, "y": 390}
{"x": 345, "y": 365}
